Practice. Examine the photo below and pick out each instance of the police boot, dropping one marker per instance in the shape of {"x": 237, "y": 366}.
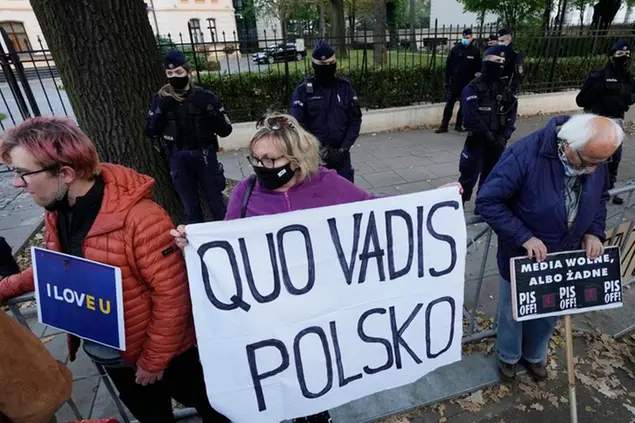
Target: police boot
{"x": 442, "y": 129}
{"x": 617, "y": 200}
{"x": 459, "y": 128}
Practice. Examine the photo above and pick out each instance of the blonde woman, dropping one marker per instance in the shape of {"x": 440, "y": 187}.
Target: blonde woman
{"x": 288, "y": 177}
{"x": 186, "y": 121}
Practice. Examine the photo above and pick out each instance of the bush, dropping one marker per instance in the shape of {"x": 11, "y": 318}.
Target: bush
{"x": 247, "y": 96}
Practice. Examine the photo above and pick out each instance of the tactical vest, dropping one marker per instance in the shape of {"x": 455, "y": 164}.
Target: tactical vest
{"x": 188, "y": 127}
{"x": 613, "y": 103}
{"x": 493, "y": 104}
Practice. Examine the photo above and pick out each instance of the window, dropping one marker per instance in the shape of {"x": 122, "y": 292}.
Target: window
{"x": 195, "y": 30}
{"x": 17, "y": 34}
{"x": 184, "y": 1}
{"x": 211, "y": 26}
{"x": 199, "y": 1}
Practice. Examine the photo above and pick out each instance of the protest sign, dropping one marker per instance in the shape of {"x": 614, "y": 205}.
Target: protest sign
{"x": 623, "y": 236}
{"x": 565, "y": 283}
{"x": 79, "y": 296}
{"x": 300, "y": 312}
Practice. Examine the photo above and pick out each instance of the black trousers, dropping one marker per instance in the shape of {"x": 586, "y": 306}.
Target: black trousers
{"x": 478, "y": 158}
{"x": 452, "y": 96}
{"x": 182, "y": 380}
{"x": 613, "y": 166}
{"x": 343, "y": 167}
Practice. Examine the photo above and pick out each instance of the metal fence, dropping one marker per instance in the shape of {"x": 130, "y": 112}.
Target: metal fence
{"x": 475, "y": 312}
{"x": 404, "y": 68}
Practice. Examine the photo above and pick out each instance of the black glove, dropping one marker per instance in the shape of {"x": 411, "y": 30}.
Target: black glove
{"x": 490, "y": 137}
{"x": 501, "y": 141}
{"x": 332, "y": 156}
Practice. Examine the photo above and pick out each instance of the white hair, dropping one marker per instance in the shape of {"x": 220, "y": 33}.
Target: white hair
{"x": 580, "y": 129}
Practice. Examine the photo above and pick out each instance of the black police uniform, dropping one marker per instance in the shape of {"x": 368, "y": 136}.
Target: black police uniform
{"x": 188, "y": 133}
{"x": 328, "y": 108}
{"x": 460, "y": 68}
{"x": 514, "y": 69}
{"x": 609, "y": 92}
{"x": 489, "y": 115}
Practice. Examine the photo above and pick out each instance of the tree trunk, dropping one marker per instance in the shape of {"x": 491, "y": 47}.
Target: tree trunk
{"x": 322, "y": 24}
{"x": 629, "y": 12}
{"x": 391, "y": 18}
{"x": 338, "y": 28}
{"x": 604, "y": 12}
{"x": 379, "y": 34}
{"x": 413, "y": 25}
{"x": 110, "y": 81}
{"x": 546, "y": 16}
{"x": 352, "y": 21}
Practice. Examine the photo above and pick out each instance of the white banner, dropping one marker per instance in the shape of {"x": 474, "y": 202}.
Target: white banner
{"x": 300, "y": 312}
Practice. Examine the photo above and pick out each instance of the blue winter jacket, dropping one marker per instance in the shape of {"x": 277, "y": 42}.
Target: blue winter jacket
{"x": 524, "y": 197}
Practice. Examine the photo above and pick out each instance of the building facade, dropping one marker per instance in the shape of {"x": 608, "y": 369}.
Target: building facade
{"x": 210, "y": 20}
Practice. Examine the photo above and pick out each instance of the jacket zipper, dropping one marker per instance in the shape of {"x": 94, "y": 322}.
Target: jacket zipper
{"x": 286, "y": 197}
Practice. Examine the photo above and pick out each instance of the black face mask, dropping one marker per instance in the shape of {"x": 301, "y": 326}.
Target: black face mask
{"x": 59, "y": 205}
{"x": 622, "y": 63}
{"x": 325, "y": 74}
{"x": 179, "y": 82}
{"x": 274, "y": 178}
{"x": 492, "y": 71}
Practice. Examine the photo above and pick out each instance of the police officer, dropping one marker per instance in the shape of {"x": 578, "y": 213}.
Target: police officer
{"x": 610, "y": 92}
{"x": 514, "y": 62}
{"x": 327, "y": 107}
{"x": 489, "y": 114}
{"x": 185, "y": 121}
{"x": 492, "y": 40}
{"x": 462, "y": 65}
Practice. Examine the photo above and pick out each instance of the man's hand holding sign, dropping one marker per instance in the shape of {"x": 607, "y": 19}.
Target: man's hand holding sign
{"x": 304, "y": 311}
{"x": 547, "y": 198}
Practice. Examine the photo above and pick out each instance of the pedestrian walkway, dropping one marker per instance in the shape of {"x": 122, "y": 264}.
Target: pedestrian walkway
{"x": 386, "y": 163}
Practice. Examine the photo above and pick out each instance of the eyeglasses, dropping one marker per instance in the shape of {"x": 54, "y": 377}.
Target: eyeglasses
{"x": 262, "y": 161}
{"x": 584, "y": 163}
{"x": 23, "y": 175}
{"x": 274, "y": 123}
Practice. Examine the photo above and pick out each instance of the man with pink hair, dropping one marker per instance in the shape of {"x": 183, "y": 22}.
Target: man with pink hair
{"x": 104, "y": 212}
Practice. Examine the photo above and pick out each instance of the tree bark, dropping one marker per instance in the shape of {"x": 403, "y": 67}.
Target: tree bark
{"x": 352, "y": 21}
{"x": 379, "y": 34}
{"x": 108, "y": 60}
{"x": 322, "y": 23}
{"x": 604, "y": 12}
{"x": 338, "y": 28}
{"x": 413, "y": 25}
{"x": 391, "y": 18}
{"x": 546, "y": 16}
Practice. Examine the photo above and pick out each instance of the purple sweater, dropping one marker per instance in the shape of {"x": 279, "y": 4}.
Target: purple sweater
{"x": 326, "y": 188}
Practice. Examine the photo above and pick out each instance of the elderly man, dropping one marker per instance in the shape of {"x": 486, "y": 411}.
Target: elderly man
{"x": 547, "y": 194}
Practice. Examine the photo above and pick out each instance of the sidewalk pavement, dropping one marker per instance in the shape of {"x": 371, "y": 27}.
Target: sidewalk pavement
{"x": 386, "y": 163}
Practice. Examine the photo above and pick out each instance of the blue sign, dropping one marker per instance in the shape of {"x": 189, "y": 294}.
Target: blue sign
{"x": 79, "y": 296}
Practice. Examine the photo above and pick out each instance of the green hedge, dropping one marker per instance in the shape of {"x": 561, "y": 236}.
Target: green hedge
{"x": 247, "y": 96}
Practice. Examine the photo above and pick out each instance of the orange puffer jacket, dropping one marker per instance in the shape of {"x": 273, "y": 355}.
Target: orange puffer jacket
{"x": 132, "y": 232}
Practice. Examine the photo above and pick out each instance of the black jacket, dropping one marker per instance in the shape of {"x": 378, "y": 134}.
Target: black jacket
{"x": 514, "y": 69}
{"x": 461, "y": 66}
{"x": 607, "y": 92}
